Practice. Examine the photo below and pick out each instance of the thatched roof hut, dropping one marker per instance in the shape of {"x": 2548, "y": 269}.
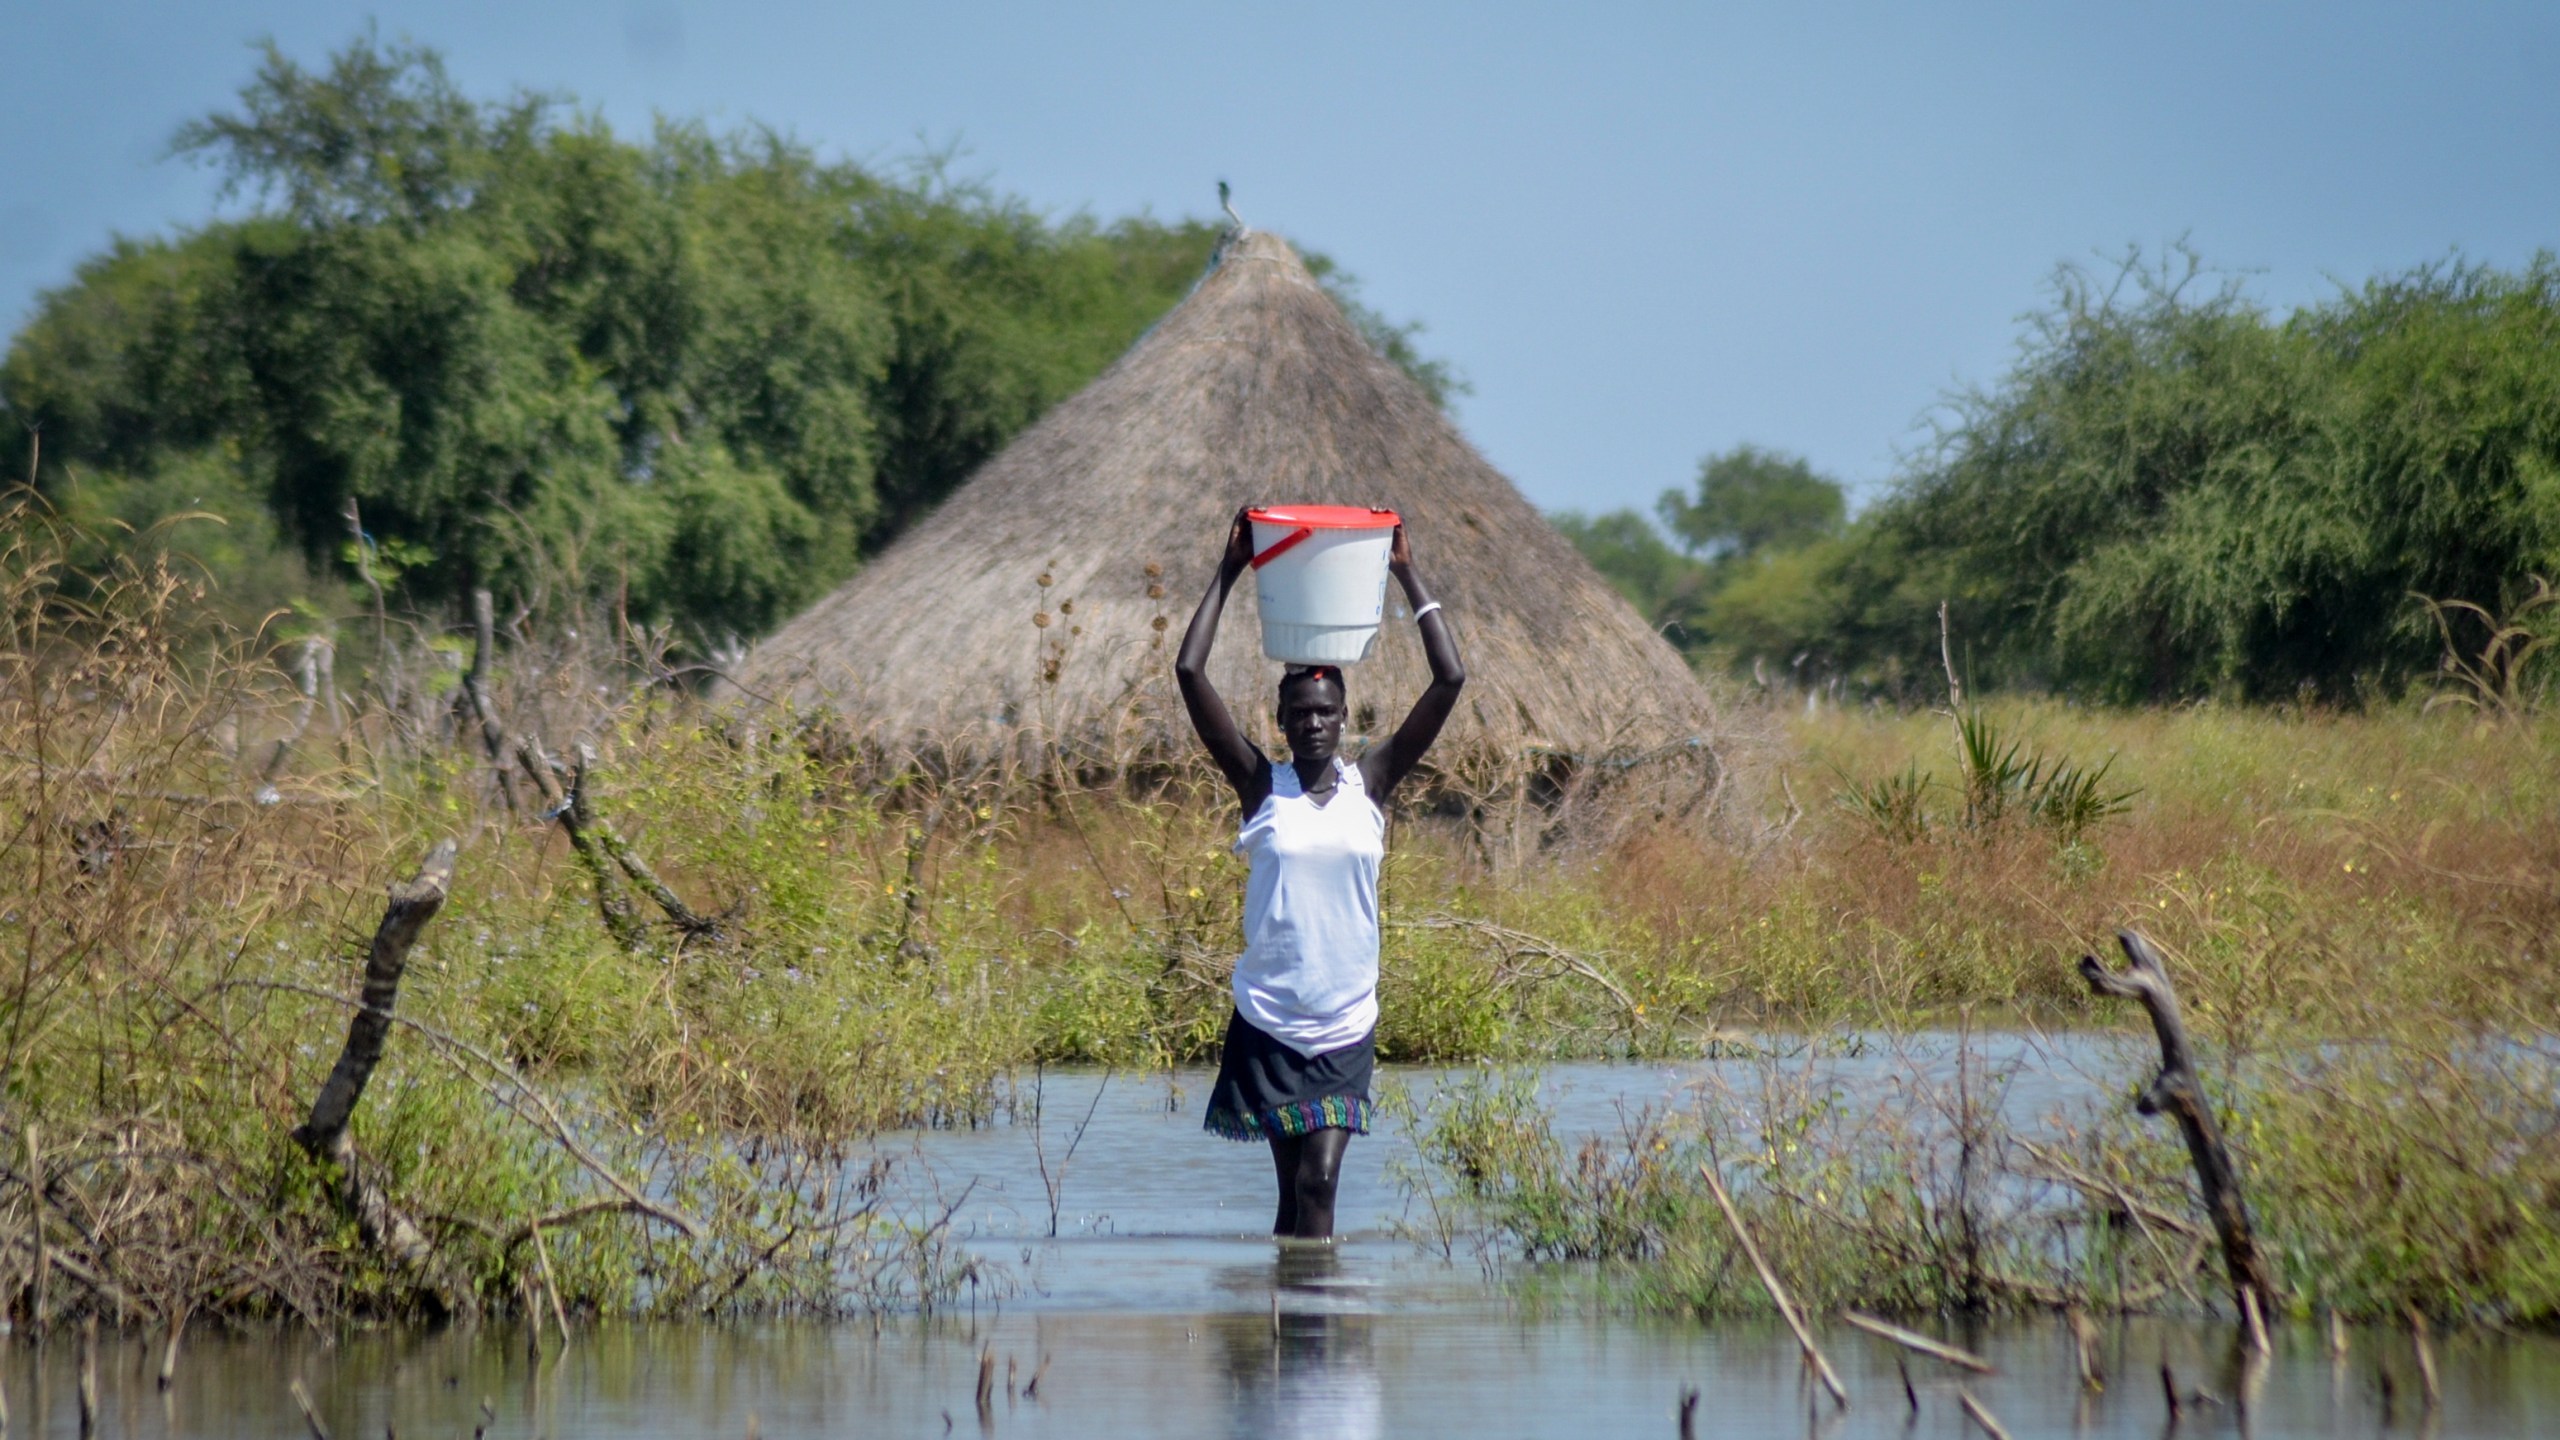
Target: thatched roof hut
{"x": 1041, "y": 604}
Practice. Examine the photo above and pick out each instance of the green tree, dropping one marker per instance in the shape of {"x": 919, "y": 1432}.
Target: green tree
{"x": 1742, "y": 533}
{"x": 995, "y": 315}
{"x": 1666, "y": 587}
{"x": 2175, "y": 493}
{"x": 382, "y": 136}
{"x": 1747, "y": 500}
{"x": 706, "y": 374}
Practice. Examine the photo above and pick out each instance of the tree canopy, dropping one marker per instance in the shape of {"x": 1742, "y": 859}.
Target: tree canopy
{"x": 1748, "y": 500}
{"x": 495, "y": 344}
{"x": 1750, "y": 510}
{"x": 2174, "y": 493}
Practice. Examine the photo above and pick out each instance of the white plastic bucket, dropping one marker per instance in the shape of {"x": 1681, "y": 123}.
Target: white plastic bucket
{"x": 1320, "y": 578}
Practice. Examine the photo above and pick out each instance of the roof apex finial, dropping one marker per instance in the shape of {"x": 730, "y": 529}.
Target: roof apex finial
{"x": 1234, "y": 221}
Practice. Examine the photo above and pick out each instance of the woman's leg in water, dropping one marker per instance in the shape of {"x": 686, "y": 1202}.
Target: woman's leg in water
{"x": 1285, "y": 1151}
{"x": 1310, "y": 1172}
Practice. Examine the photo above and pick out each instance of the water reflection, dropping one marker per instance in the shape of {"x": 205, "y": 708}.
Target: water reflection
{"x": 1312, "y": 1368}
{"x": 1343, "y": 1352}
{"x": 1163, "y": 1312}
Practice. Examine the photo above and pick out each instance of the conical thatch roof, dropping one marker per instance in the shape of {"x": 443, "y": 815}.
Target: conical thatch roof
{"x": 1255, "y": 389}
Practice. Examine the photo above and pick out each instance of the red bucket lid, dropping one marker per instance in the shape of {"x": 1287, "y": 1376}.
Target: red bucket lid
{"x": 1328, "y": 517}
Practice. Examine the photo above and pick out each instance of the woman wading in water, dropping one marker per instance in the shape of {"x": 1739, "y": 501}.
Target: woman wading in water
{"x": 1303, "y": 1040}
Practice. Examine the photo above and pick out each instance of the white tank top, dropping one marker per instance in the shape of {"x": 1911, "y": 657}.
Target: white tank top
{"x": 1309, "y": 973}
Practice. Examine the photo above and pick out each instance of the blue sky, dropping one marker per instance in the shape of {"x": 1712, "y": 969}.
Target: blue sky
{"x": 1644, "y": 232}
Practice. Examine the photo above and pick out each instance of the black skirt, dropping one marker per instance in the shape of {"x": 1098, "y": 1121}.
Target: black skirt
{"x": 1265, "y": 1088}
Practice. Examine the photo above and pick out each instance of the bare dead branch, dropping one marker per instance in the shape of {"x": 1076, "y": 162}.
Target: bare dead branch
{"x": 2178, "y": 1091}
{"x": 1777, "y": 1292}
{"x": 1516, "y": 945}
{"x": 570, "y": 808}
{"x": 1979, "y": 1415}
{"x": 596, "y": 843}
{"x": 1918, "y": 1343}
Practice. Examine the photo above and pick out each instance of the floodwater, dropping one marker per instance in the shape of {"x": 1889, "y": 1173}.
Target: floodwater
{"x": 1160, "y": 1309}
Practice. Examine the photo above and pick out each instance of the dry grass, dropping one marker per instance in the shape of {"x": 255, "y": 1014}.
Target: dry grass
{"x": 192, "y": 849}
{"x": 2302, "y": 865}
{"x": 198, "y": 827}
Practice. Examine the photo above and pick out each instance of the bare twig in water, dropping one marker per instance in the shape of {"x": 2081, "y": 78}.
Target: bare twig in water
{"x": 2426, "y": 1357}
{"x": 2084, "y": 1346}
{"x": 1918, "y": 1343}
{"x": 2254, "y": 1323}
{"x": 88, "y": 1377}
{"x": 1777, "y": 1292}
{"x": 1057, "y": 1185}
{"x": 310, "y": 1417}
{"x": 168, "y": 1358}
{"x": 1974, "y": 1411}
{"x": 551, "y": 1287}
{"x": 35, "y": 1230}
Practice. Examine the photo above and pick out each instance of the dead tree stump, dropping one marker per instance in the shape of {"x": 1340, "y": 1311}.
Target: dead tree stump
{"x": 2178, "y": 1092}
{"x": 325, "y": 1135}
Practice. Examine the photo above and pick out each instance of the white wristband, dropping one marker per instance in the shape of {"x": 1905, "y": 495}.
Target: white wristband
{"x": 1425, "y": 610}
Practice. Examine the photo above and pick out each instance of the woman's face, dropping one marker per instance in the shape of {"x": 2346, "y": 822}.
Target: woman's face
{"x": 1311, "y": 716}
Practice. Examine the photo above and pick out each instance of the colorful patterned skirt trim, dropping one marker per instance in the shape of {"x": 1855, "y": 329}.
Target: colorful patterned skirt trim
{"x": 1266, "y": 1089}
{"x": 1333, "y": 1112}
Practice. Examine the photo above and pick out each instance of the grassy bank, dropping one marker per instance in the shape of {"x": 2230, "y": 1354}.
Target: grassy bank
{"x": 2387, "y": 1176}
{"x": 200, "y": 823}
{"x": 2359, "y": 910}
{"x": 2317, "y": 867}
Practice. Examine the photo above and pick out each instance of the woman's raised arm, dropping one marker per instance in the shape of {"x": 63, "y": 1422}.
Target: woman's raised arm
{"x": 1386, "y": 765}
{"x": 1238, "y": 760}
